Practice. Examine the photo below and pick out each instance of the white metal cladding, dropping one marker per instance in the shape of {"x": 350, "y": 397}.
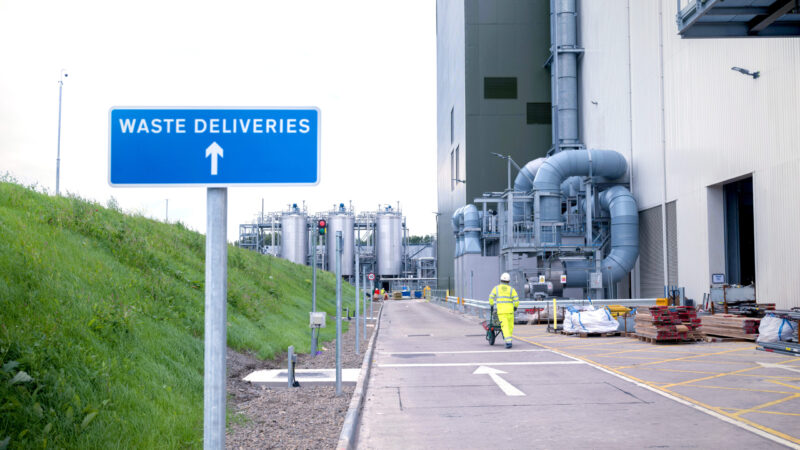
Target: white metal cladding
{"x": 294, "y": 238}
{"x": 343, "y": 223}
{"x": 651, "y": 254}
{"x": 720, "y": 125}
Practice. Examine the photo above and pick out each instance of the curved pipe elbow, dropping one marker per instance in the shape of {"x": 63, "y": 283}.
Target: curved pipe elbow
{"x": 624, "y": 213}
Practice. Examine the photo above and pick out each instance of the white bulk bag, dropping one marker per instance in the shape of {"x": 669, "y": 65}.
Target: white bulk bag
{"x": 597, "y": 321}
{"x": 774, "y": 329}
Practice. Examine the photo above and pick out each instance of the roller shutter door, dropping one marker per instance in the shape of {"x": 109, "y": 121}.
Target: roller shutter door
{"x": 651, "y": 258}
{"x": 672, "y": 244}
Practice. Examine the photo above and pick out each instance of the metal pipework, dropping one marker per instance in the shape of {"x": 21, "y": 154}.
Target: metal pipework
{"x": 457, "y": 221}
{"x": 559, "y": 167}
{"x": 624, "y": 213}
{"x": 524, "y": 183}
{"x": 564, "y": 73}
{"x": 472, "y": 229}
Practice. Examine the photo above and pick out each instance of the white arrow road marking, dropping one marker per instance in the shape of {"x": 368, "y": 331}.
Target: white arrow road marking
{"x": 777, "y": 366}
{"x": 214, "y": 150}
{"x": 510, "y": 390}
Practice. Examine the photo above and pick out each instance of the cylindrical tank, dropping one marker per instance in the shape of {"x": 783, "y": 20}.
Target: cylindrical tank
{"x": 294, "y": 237}
{"x": 389, "y": 244}
{"x": 341, "y": 222}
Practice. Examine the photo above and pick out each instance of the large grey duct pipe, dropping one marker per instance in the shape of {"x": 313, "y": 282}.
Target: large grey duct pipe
{"x": 624, "y": 213}
{"x": 524, "y": 183}
{"x": 456, "y": 229}
{"x": 472, "y": 230}
{"x": 559, "y": 167}
{"x": 565, "y": 73}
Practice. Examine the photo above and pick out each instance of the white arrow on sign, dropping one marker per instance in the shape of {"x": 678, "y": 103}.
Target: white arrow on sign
{"x": 509, "y": 389}
{"x": 214, "y": 151}
{"x": 778, "y": 366}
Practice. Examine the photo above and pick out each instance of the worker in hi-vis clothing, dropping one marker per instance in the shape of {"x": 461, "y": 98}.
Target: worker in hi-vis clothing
{"x": 507, "y": 302}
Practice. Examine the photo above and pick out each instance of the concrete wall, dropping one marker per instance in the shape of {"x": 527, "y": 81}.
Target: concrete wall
{"x": 476, "y": 275}
{"x": 718, "y": 126}
{"x": 478, "y": 39}
{"x": 450, "y": 48}
{"x": 504, "y": 39}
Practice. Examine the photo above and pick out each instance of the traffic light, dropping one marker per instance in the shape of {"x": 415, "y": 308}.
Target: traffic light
{"x": 322, "y": 227}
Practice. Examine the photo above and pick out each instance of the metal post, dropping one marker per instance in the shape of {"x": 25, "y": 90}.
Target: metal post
{"x": 58, "y": 145}
{"x": 372, "y": 300}
{"x": 364, "y": 301}
{"x": 338, "y": 313}
{"x": 215, "y": 319}
{"x": 358, "y": 334}
{"x": 167, "y": 212}
{"x": 314, "y": 297}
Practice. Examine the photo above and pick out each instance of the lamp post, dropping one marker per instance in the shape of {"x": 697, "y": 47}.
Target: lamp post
{"x": 61, "y": 77}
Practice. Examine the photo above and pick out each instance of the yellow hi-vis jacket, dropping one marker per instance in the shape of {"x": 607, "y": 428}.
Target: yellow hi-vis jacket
{"x": 506, "y": 298}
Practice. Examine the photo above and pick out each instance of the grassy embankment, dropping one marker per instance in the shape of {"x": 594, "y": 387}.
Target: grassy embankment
{"x": 101, "y": 323}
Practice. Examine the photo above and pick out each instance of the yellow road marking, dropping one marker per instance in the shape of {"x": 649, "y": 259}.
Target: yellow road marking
{"x": 757, "y": 366}
{"x": 705, "y": 386}
{"x": 689, "y": 357}
{"x": 680, "y": 371}
{"x": 784, "y": 384}
{"x": 775, "y": 412}
{"x": 680, "y": 396}
{"x": 645, "y": 350}
{"x": 772, "y": 403}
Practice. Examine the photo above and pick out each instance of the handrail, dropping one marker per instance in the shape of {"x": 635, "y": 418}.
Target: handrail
{"x": 527, "y": 304}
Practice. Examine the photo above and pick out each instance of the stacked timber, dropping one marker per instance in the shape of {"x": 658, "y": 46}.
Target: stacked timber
{"x": 662, "y": 323}
{"x": 729, "y": 325}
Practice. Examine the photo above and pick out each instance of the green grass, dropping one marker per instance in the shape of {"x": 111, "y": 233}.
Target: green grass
{"x": 101, "y": 322}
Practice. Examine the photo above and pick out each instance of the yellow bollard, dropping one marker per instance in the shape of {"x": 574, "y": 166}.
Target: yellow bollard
{"x": 555, "y": 316}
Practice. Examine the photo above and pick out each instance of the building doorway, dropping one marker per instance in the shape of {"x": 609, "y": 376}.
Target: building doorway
{"x": 740, "y": 255}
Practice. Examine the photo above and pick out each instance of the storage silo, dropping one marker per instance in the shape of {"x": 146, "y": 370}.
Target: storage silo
{"x": 294, "y": 237}
{"x": 341, "y": 221}
{"x": 389, "y": 243}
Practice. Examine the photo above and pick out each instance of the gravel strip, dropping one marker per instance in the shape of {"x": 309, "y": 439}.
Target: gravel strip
{"x": 303, "y": 418}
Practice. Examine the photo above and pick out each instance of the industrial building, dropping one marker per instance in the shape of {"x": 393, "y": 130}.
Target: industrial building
{"x": 707, "y": 129}
{"x": 372, "y": 242}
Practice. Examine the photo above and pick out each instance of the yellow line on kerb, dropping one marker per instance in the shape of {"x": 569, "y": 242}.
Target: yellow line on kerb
{"x": 675, "y": 394}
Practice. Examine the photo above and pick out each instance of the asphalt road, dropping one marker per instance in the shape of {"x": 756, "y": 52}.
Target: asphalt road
{"x": 436, "y": 383}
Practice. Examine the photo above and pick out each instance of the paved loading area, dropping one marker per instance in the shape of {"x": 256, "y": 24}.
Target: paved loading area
{"x": 732, "y": 379}
{"x": 436, "y": 383}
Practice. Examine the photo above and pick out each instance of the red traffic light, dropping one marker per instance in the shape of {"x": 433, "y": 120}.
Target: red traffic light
{"x": 322, "y": 225}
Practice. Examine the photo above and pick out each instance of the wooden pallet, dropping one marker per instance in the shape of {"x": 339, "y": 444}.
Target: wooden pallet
{"x": 652, "y": 340}
{"x": 586, "y": 335}
{"x": 713, "y": 338}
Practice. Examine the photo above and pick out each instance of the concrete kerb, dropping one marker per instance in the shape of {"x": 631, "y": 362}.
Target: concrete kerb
{"x": 350, "y": 426}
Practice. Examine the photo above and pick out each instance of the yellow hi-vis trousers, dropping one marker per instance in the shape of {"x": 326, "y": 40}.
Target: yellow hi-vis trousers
{"x": 507, "y": 326}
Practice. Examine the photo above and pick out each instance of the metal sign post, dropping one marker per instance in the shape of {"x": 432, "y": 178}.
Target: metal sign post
{"x": 358, "y": 334}
{"x": 364, "y": 304}
{"x": 338, "y": 313}
{"x": 314, "y": 332}
{"x": 213, "y": 148}
{"x": 216, "y": 317}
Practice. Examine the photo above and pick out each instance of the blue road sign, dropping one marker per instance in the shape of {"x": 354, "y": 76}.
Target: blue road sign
{"x": 213, "y": 147}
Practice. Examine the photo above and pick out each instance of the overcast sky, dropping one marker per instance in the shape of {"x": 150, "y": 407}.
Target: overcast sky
{"x": 369, "y": 66}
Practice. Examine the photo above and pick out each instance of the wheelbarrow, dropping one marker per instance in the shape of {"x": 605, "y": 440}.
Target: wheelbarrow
{"x": 492, "y": 327}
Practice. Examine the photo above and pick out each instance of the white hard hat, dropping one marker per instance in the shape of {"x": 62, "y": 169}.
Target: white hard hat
{"x": 505, "y": 277}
